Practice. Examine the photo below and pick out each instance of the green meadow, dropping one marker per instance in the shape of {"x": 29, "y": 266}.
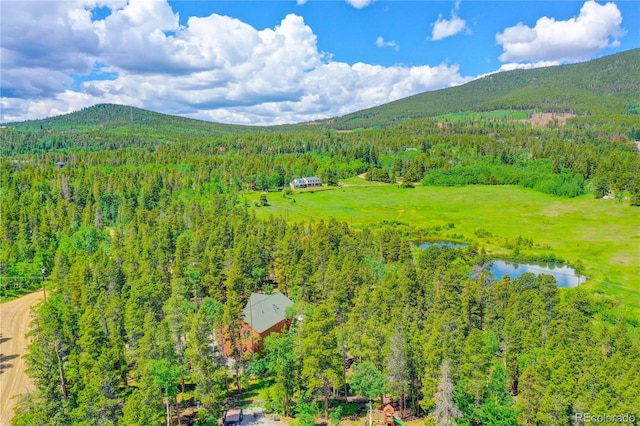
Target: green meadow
{"x": 602, "y": 237}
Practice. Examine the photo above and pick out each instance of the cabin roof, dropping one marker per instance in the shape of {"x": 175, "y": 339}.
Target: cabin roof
{"x": 264, "y": 311}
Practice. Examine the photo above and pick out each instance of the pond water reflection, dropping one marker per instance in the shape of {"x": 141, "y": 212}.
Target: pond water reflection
{"x": 564, "y": 275}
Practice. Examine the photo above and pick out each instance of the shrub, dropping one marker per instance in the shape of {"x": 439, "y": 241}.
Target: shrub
{"x": 377, "y": 174}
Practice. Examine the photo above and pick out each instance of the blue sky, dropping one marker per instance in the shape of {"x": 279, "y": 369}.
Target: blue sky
{"x": 270, "y": 62}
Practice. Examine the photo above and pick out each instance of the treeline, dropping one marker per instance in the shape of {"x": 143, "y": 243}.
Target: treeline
{"x": 148, "y": 268}
{"x": 538, "y": 177}
{"x": 564, "y": 161}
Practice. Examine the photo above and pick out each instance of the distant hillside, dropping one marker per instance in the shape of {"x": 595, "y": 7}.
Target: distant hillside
{"x": 598, "y": 88}
{"x": 110, "y": 116}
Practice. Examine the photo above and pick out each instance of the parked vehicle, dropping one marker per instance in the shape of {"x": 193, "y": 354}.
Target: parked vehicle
{"x": 232, "y": 417}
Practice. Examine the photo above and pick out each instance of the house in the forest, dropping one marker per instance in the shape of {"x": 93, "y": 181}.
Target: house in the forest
{"x": 305, "y": 182}
{"x": 264, "y": 314}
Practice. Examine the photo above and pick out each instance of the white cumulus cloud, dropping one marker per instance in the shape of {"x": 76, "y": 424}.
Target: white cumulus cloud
{"x": 444, "y": 28}
{"x": 594, "y": 29}
{"x": 521, "y": 66}
{"x": 213, "y": 67}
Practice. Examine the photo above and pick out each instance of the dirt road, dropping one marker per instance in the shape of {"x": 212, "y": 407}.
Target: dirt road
{"x": 14, "y": 324}
{"x": 256, "y": 417}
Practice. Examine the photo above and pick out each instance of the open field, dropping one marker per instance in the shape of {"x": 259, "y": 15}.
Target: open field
{"x": 604, "y": 235}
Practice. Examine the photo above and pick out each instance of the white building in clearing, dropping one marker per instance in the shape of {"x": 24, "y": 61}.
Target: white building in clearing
{"x": 305, "y": 182}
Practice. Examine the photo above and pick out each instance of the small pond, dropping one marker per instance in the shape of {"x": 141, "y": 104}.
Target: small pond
{"x": 564, "y": 275}
{"x": 443, "y": 244}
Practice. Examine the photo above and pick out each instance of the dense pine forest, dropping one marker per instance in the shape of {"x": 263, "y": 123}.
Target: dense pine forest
{"x": 138, "y": 226}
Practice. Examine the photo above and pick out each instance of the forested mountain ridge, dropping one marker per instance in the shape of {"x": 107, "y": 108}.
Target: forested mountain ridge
{"x": 597, "y": 89}
{"x": 109, "y": 117}
{"x": 601, "y": 88}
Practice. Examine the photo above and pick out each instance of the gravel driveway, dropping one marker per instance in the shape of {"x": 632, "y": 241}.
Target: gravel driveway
{"x": 257, "y": 416}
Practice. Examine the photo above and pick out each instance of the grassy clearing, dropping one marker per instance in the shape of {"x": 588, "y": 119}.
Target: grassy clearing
{"x": 604, "y": 235}
{"x": 500, "y": 114}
